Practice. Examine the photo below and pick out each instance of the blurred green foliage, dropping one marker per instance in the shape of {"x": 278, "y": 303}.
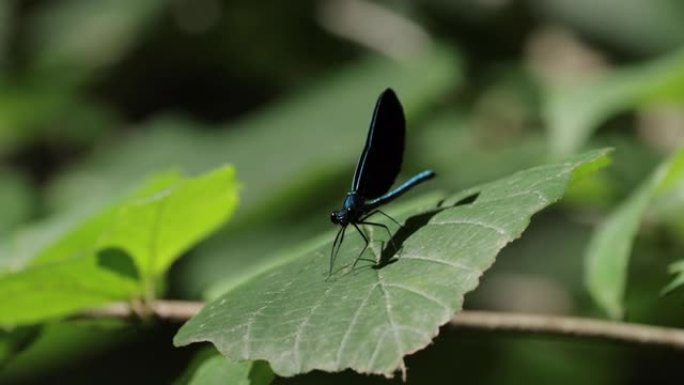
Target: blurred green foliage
{"x": 97, "y": 96}
{"x": 609, "y": 249}
{"x": 119, "y": 252}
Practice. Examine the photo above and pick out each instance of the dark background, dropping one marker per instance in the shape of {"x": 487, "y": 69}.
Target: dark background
{"x": 97, "y": 95}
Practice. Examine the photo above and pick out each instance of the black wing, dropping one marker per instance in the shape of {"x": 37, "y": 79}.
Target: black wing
{"x": 380, "y": 160}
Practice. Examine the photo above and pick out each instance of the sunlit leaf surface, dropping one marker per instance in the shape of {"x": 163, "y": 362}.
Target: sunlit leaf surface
{"x": 369, "y": 318}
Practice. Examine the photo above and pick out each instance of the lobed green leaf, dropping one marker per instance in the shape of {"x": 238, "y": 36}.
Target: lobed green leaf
{"x": 368, "y": 318}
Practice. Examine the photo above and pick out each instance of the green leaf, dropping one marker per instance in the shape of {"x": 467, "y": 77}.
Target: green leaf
{"x": 53, "y": 290}
{"x": 217, "y": 370}
{"x": 73, "y": 233}
{"x": 157, "y": 229}
{"x": 117, "y": 253}
{"x": 667, "y": 207}
{"x": 52, "y": 268}
{"x": 573, "y": 113}
{"x": 369, "y": 318}
{"x": 607, "y": 255}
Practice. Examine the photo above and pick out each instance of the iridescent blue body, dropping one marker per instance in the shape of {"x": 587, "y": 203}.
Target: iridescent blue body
{"x": 376, "y": 171}
{"x": 355, "y": 206}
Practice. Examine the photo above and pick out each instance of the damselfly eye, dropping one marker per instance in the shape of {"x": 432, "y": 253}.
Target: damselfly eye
{"x": 333, "y": 218}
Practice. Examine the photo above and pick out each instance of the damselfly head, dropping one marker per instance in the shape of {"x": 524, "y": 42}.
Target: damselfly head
{"x": 340, "y": 217}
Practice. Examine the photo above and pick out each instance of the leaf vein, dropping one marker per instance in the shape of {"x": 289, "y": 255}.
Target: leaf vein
{"x": 303, "y": 324}
{"x": 390, "y": 319}
{"x": 421, "y": 293}
{"x": 455, "y": 265}
{"x": 256, "y": 313}
{"x": 496, "y": 229}
{"x": 345, "y": 337}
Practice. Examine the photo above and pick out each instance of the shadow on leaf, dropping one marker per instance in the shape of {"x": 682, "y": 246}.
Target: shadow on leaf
{"x": 390, "y": 252}
{"x": 118, "y": 261}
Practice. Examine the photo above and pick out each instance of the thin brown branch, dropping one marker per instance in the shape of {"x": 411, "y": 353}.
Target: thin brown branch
{"x": 179, "y": 311}
{"x": 570, "y": 326}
